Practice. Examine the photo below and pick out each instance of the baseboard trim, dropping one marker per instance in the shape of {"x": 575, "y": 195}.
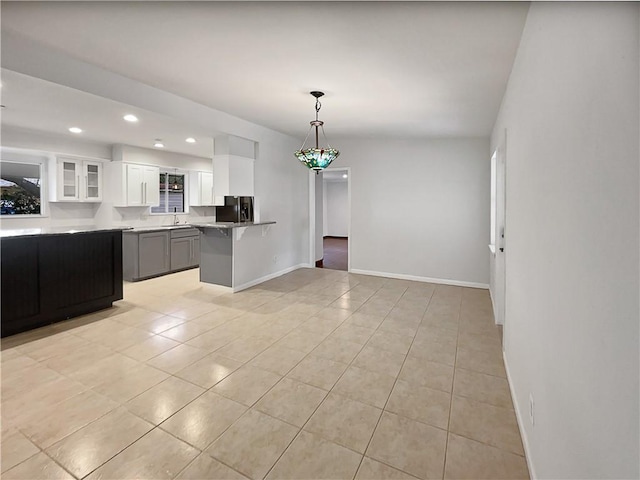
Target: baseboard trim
{"x": 257, "y": 281}
{"x": 519, "y": 419}
{"x": 415, "y": 278}
{"x": 333, "y": 236}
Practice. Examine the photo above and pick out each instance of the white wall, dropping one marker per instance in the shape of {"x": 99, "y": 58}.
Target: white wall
{"x": 419, "y": 208}
{"x": 282, "y": 188}
{"x": 336, "y": 209}
{"x": 572, "y": 315}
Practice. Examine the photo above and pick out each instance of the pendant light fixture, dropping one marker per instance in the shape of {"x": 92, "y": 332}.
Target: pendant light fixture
{"x": 317, "y": 158}
{"x": 175, "y": 185}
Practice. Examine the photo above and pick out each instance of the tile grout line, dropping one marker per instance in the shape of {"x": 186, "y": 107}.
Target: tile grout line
{"x": 120, "y": 404}
{"x": 248, "y": 408}
{"x": 453, "y": 382}
{"x": 325, "y": 397}
{"x": 158, "y": 426}
{"x": 253, "y": 405}
{"x": 391, "y": 390}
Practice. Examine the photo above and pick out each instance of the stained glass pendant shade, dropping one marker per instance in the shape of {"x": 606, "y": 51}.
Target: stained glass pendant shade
{"x": 317, "y": 158}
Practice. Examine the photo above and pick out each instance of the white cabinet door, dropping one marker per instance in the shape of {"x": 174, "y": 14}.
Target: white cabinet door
{"x": 233, "y": 176}
{"x": 92, "y": 191}
{"x": 135, "y": 185}
{"x": 201, "y": 189}
{"x": 151, "y": 186}
{"x": 206, "y": 188}
{"x": 142, "y": 185}
{"x": 68, "y": 180}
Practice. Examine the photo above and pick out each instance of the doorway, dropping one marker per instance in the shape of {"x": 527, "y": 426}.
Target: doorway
{"x": 335, "y": 219}
{"x": 331, "y": 219}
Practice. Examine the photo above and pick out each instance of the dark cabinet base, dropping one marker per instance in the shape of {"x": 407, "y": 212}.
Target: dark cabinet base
{"x": 49, "y": 278}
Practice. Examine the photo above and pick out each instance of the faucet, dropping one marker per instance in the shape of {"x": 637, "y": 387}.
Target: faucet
{"x": 175, "y": 216}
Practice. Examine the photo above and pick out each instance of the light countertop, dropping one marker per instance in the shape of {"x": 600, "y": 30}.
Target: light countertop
{"x": 160, "y": 228}
{"x": 230, "y": 224}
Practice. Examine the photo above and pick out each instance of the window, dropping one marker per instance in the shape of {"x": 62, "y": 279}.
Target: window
{"x": 171, "y": 193}
{"x": 20, "y": 187}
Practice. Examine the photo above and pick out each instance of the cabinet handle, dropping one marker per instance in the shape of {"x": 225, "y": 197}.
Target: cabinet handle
{"x": 86, "y": 184}
{"x": 78, "y": 186}
{"x": 145, "y": 193}
{"x": 191, "y": 249}
{"x": 141, "y": 193}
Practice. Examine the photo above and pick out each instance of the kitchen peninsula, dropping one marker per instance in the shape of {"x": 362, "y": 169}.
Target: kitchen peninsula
{"x": 229, "y": 253}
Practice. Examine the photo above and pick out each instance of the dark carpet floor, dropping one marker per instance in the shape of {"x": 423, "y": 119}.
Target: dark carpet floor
{"x": 335, "y": 253}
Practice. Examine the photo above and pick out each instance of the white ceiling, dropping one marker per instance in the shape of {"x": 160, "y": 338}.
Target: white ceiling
{"x": 35, "y": 104}
{"x": 408, "y": 69}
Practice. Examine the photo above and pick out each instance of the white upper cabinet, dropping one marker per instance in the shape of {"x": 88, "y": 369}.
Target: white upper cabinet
{"x": 133, "y": 184}
{"x": 233, "y": 159}
{"x": 74, "y": 179}
{"x": 201, "y": 192}
{"x": 133, "y": 177}
{"x": 141, "y": 185}
{"x": 233, "y": 176}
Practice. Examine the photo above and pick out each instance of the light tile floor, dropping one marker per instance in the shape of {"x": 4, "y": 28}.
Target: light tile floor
{"x": 316, "y": 374}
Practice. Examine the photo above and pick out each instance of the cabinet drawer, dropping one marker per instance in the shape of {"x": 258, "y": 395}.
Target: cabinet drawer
{"x": 185, "y": 232}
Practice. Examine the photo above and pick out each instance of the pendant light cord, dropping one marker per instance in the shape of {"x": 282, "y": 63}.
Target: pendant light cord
{"x": 318, "y": 107}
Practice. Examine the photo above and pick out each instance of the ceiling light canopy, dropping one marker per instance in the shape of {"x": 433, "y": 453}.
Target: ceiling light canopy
{"x": 75, "y": 130}
{"x": 317, "y": 158}
{"x": 158, "y": 143}
{"x": 130, "y": 118}
{"x": 190, "y": 140}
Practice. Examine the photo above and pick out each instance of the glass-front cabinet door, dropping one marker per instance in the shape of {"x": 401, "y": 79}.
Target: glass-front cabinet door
{"x": 93, "y": 181}
{"x": 75, "y": 180}
{"x": 70, "y": 180}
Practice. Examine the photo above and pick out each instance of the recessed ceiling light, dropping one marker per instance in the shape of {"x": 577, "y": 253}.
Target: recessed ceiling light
{"x": 130, "y": 118}
{"x": 75, "y": 130}
{"x": 344, "y": 176}
{"x": 158, "y": 143}
{"x": 190, "y": 140}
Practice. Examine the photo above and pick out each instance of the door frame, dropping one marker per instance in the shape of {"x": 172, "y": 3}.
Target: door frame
{"x": 499, "y": 296}
{"x": 312, "y": 215}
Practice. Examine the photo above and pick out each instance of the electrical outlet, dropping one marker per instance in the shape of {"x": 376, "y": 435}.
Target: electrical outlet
{"x": 531, "y": 409}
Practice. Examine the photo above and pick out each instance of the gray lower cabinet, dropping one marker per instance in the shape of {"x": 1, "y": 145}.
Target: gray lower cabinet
{"x": 151, "y": 254}
{"x": 185, "y": 249}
